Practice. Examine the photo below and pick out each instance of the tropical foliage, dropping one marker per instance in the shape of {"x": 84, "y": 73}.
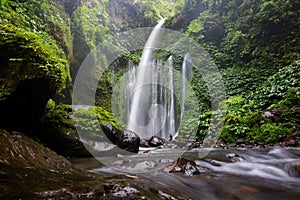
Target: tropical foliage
{"x": 255, "y": 45}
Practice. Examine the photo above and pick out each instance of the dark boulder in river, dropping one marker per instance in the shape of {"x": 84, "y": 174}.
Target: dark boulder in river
{"x": 126, "y": 140}
{"x": 156, "y": 141}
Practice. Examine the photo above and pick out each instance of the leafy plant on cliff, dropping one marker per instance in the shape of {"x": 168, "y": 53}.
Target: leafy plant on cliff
{"x": 161, "y": 8}
{"x": 44, "y": 16}
{"x": 282, "y": 86}
{"x": 248, "y": 34}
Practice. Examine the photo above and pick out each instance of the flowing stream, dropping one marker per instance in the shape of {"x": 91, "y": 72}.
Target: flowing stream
{"x": 224, "y": 173}
{"x": 257, "y": 174}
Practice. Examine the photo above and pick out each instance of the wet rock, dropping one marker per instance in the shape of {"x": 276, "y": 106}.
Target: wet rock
{"x": 17, "y": 150}
{"x": 216, "y": 162}
{"x": 233, "y": 157}
{"x": 147, "y": 151}
{"x": 144, "y": 143}
{"x": 195, "y": 144}
{"x": 122, "y": 192}
{"x": 188, "y": 167}
{"x": 293, "y": 140}
{"x": 155, "y": 141}
{"x": 166, "y": 196}
{"x": 190, "y": 170}
{"x": 126, "y": 140}
{"x": 293, "y": 169}
{"x": 220, "y": 144}
{"x": 23, "y": 160}
{"x": 240, "y": 141}
{"x": 144, "y": 165}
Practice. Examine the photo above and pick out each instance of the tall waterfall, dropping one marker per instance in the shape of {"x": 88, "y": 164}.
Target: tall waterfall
{"x": 138, "y": 116}
{"x": 149, "y": 94}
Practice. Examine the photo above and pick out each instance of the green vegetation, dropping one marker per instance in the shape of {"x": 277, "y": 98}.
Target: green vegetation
{"x": 44, "y": 17}
{"x": 58, "y": 118}
{"x": 246, "y": 118}
{"x": 35, "y": 43}
{"x": 254, "y": 44}
{"x": 240, "y": 33}
{"x": 88, "y": 118}
{"x": 28, "y": 55}
{"x": 161, "y": 8}
{"x": 281, "y": 89}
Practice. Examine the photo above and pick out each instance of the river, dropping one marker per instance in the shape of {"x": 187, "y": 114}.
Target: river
{"x": 224, "y": 173}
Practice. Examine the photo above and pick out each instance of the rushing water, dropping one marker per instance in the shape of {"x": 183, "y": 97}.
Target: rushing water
{"x": 258, "y": 174}
{"x": 137, "y": 119}
{"x": 150, "y": 93}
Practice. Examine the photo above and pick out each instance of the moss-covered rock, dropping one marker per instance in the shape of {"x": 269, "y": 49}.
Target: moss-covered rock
{"x": 35, "y": 46}
{"x": 32, "y": 70}
{"x": 57, "y": 131}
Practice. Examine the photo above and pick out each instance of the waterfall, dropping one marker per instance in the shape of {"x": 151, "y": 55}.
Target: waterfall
{"x": 187, "y": 72}
{"x": 137, "y": 121}
{"x": 171, "y": 109}
{"x": 129, "y": 88}
{"x": 151, "y": 106}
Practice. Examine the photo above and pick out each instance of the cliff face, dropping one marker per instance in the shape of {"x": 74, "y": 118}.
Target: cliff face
{"x": 35, "y": 48}
{"x": 124, "y": 15}
{"x": 42, "y": 45}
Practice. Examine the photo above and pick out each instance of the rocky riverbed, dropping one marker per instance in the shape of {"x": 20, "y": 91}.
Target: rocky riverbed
{"x": 30, "y": 171}
{"x": 160, "y": 171}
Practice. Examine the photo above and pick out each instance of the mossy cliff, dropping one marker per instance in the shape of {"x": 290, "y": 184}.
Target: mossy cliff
{"x": 35, "y": 47}
{"x": 42, "y": 45}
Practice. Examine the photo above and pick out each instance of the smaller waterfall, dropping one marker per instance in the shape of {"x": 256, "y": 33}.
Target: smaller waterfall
{"x": 187, "y": 72}
{"x": 129, "y": 88}
{"x": 171, "y": 106}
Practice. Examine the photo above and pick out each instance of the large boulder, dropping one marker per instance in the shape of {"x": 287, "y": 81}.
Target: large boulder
{"x": 126, "y": 139}
{"x": 17, "y": 150}
{"x": 31, "y": 171}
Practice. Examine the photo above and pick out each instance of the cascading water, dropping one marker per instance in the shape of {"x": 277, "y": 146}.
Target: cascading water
{"x": 137, "y": 121}
{"x": 149, "y": 94}
{"x": 171, "y": 109}
{"x": 187, "y": 72}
